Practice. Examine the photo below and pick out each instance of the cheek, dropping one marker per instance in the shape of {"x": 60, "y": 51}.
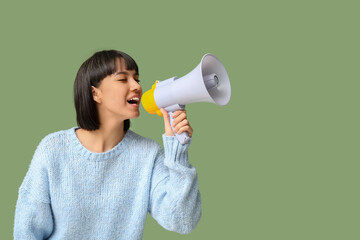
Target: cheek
{"x": 116, "y": 96}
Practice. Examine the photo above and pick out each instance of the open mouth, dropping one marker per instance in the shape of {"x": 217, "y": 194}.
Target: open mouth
{"x": 134, "y": 100}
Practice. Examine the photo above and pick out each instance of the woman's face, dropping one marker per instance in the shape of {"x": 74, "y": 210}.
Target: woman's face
{"x": 119, "y": 94}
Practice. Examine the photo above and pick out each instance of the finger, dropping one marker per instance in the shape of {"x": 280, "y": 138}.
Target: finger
{"x": 186, "y": 128}
{"x": 181, "y": 124}
{"x": 168, "y": 130}
{"x": 179, "y": 118}
{"x": 178, "y": 112}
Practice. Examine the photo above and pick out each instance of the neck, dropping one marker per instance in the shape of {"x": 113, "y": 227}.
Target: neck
{"x": 105, "y": 138}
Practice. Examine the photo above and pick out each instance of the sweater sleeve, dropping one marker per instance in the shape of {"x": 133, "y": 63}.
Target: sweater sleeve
{"x": 175, "y": 201}
{"x": 33, "y": 215}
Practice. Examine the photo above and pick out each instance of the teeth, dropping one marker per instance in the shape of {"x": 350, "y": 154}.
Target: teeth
{"x": 135, "y": 99}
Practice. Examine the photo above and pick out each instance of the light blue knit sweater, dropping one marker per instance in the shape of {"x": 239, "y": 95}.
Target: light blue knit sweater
{"x": 71, "y": 193}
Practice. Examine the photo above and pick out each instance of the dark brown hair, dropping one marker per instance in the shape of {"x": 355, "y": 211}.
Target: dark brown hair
{"x": 91, "y": 73}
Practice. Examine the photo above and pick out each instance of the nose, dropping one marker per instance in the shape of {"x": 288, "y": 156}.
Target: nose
{"x": 135, "y": 86}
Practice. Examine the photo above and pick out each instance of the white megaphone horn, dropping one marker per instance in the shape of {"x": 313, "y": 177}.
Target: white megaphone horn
{"x": 208, "y": 82}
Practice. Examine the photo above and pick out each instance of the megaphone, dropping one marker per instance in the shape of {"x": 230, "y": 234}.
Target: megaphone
{"x": 208, "y": 82}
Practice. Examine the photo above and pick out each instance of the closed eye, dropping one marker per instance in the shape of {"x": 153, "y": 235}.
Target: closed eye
{"x": 123, "y": 80}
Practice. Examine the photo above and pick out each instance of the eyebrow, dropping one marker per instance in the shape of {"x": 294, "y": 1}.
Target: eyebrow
{"x": 117, "y": 73}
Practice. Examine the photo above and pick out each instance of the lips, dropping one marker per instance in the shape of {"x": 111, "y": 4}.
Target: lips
{"x": 134, "y": 100}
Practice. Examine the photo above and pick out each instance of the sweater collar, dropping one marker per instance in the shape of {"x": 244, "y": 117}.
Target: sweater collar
{"x": 83, "y": 151}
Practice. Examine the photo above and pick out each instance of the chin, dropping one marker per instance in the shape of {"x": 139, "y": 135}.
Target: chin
{"x": 135, "y": 115}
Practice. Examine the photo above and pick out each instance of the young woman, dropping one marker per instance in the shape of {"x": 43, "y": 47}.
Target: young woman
{"x": 100, "y": 179}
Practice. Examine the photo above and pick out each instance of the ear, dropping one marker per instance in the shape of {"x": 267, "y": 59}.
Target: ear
{"x": 96, "y": 93}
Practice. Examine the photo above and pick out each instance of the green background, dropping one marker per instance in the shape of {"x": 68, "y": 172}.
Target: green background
{"x": 280, "y": 161}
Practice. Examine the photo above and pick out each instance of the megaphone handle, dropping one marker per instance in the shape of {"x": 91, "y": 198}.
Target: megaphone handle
{"x": 182, "y": 137}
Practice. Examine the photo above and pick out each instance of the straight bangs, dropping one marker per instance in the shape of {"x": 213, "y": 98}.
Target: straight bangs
{"x": 104, "y": 64}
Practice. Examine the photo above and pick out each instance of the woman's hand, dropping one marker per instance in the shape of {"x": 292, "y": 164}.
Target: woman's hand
{"x": 180, "y": 123}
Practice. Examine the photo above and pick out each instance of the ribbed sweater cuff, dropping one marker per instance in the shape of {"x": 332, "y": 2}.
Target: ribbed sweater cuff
{"x": 175, "y": 152}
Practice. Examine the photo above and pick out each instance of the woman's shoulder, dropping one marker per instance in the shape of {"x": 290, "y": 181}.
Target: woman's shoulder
{"x": 54, "y": 141}
{"x": 48, "y": 147}
{"x": 142, "y": 141}
{"x": 54, "y": 137}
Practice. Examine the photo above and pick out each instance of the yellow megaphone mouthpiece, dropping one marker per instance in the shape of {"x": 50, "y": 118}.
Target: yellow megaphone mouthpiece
{"x": 148, "y": 101}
